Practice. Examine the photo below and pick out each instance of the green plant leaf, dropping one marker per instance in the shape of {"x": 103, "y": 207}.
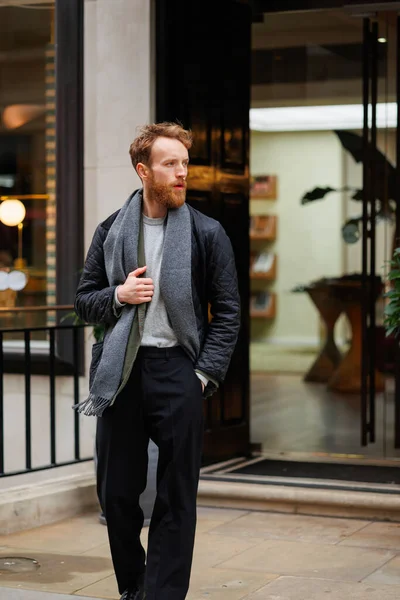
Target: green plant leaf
{"x": 317, "y": 194}
{"x": 392, "y": 309}
{"x": 98, "y": 332}
{"x": 74, "y": 316}
{"x": 395, "y": 294}
{"x": 391, "y": 330}
{"x": 358, "y": 196}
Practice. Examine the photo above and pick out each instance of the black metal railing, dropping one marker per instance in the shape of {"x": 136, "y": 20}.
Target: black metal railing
{"x": 52, "y": 333}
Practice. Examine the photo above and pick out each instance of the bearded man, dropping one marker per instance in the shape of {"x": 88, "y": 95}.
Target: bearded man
{"x": 151, "y": 272}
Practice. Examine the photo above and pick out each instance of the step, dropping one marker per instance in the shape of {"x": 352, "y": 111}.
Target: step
{"x": 42, "y": 498}
{"x": 334, "y": 499}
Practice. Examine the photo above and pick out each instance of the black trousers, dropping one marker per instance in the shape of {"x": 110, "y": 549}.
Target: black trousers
{"x": 161, "y": 401}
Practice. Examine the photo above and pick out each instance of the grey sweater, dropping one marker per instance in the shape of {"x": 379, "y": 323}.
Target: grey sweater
{"x": 157, "y": 328}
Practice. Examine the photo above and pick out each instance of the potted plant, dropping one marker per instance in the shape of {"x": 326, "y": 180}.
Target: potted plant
{"x": 385, "y": 187}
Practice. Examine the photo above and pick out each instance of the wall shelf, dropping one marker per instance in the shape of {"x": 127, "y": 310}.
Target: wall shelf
{"x": 257, "y": 312}
{"x": 260, "y": 236}
{"x": 263, "y": 227}
{"x": 269, "y": 275}
{"x": 263, "y": 267}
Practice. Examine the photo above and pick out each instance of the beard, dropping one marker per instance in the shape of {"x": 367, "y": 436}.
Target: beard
{"x": 167, "y": 195}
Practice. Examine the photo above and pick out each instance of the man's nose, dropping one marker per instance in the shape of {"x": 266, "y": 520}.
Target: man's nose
{"x": 181, "y": 171}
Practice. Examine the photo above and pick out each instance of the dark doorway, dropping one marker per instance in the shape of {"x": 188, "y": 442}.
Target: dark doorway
{"x": 203, "y": 70}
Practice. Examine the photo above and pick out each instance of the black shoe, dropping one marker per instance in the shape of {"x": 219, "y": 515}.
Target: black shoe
{"x": 133, "y": 594}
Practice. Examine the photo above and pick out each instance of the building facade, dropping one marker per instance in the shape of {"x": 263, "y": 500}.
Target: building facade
{"x": 277, "y": 94}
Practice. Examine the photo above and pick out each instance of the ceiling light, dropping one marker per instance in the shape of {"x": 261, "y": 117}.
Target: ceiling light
{"x": 382, "y": 40}
{"x": 320, "y": 118}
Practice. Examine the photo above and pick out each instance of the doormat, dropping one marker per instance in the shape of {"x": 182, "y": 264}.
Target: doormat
{"x": 341, "y": 472}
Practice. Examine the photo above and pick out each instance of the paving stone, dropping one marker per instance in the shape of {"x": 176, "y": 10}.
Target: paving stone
{"x": 213, "y": 584}
{"x": 376, "y": 535}
{"x": 8, "y": 594}
{"x": 210, "y": 550}
{"x": 389, "y": 574}
{"x": 104, "y": 549}
{"x": 207, "y": 525}
{"x": 57, "y": 572}
{"x": 219, "y": 514}
{"x": 323, "y": 530}
{"x": 309, "y": 560}
{"x": 106, "y": 588}
{"x": 71, "y": 536}
{"x": 221, "y": 584}
{"x": 295, "y": 588}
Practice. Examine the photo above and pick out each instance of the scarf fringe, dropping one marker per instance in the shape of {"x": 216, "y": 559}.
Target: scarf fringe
{"x": 94, "y": 406}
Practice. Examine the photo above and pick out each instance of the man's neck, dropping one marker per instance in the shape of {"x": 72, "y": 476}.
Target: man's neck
{"x": 152, "y": 209}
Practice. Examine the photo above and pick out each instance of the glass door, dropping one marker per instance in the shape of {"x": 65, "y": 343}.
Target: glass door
{"x": 323, "y": 163}
{"x": 380, "y": 395}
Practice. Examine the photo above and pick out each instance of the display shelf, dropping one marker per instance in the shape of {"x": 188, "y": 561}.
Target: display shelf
{"x": 263, "y": 310}
{"x": 260, "y": 236}
{"x": 263, "y": 227}
{"x": 263, "y": 265}
{"x": 256, "y": 271}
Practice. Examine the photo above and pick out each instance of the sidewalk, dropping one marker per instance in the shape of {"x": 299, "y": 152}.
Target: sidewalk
{"x": 238, "y": 555}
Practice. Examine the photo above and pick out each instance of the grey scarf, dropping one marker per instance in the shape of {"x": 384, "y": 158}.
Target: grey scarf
{"x": 121, "y": 257}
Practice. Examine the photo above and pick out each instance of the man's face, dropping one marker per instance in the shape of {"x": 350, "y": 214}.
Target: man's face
{"x": 167, "y": 172}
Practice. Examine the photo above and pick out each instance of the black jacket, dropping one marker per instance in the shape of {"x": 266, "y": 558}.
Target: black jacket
{"x": 214, "y": 283}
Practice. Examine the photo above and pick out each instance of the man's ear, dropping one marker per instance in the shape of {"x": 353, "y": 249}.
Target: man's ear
{"x": 142, "y": 171}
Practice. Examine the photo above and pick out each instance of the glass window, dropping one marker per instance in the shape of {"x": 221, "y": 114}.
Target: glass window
{"x": 27, "y": 163}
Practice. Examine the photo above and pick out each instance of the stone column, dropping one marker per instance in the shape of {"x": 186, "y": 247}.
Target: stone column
{"x": 119, "y": 85}
{"x": 118, "y": 98}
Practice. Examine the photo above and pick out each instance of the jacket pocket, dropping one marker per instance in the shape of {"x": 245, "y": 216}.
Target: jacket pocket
{"x": 97, "y": 351}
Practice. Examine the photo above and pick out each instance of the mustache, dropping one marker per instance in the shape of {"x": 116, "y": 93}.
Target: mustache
{"x": 182, "y": 183}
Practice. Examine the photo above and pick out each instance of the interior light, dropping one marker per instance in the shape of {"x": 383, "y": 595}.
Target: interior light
{"x": 12, "y": 212}
{"x": 382, "y": 40}
{"x": 16, "y": 115}
{"x": 320, "y": 118}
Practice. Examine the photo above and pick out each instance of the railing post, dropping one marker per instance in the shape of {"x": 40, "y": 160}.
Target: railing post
{"x": 52, "y": 383}
{"x": 75, "y": 343}
{"x": 28, "y": 430}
